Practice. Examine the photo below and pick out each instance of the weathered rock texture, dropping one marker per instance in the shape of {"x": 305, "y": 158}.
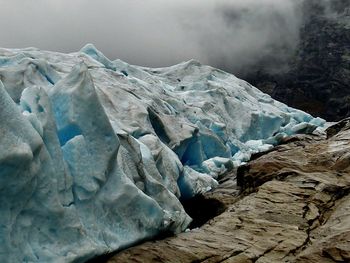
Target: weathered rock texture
{"x": 292, "y": 205}
{"x": 318, "y": 78}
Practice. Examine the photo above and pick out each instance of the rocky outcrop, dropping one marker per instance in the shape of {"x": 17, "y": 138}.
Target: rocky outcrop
{"x": 318, "y": 77}
{"x": 291, "y": 204}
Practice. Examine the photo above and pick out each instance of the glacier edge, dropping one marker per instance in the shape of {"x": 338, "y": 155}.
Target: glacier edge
{"x": 95, "y": 154}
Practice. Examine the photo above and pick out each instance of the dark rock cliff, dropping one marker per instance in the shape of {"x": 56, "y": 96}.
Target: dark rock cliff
{"x": 318, "y": 78}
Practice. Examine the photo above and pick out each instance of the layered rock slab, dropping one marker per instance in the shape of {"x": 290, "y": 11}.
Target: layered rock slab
{"x": 293, "y": 206}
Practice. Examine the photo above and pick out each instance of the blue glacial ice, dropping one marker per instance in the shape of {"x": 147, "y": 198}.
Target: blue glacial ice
{"x": 96, "y": 154}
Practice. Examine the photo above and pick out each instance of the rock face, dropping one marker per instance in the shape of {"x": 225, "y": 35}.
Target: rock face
{"x": 318, "y": 78}
{"x": 293, "y": 206}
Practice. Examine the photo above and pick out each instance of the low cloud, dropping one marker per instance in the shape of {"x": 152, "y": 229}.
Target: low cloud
{"x": 233, "y": 35}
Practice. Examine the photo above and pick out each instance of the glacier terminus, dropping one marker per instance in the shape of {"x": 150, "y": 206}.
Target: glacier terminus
{"x": 95, "y": 155}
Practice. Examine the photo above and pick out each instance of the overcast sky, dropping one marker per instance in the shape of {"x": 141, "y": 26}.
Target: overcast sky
{"x": 230, "y": 34}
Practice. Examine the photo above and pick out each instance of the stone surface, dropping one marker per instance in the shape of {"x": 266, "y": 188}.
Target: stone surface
{"x": 292, "y": 205}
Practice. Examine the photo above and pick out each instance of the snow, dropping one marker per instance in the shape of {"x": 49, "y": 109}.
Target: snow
{"x": 96, "y": 154}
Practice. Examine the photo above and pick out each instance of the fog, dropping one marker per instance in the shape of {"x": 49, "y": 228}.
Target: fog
{"x": 230, "y": 34}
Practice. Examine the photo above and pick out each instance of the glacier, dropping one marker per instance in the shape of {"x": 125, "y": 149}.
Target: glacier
{"x": 96, "y": 154}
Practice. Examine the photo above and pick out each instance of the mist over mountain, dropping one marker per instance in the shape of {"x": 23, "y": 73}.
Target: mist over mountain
{"x": 232, "y": 35}
{"x": 317, "y": 76}
{"x": 250, "y": 33}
